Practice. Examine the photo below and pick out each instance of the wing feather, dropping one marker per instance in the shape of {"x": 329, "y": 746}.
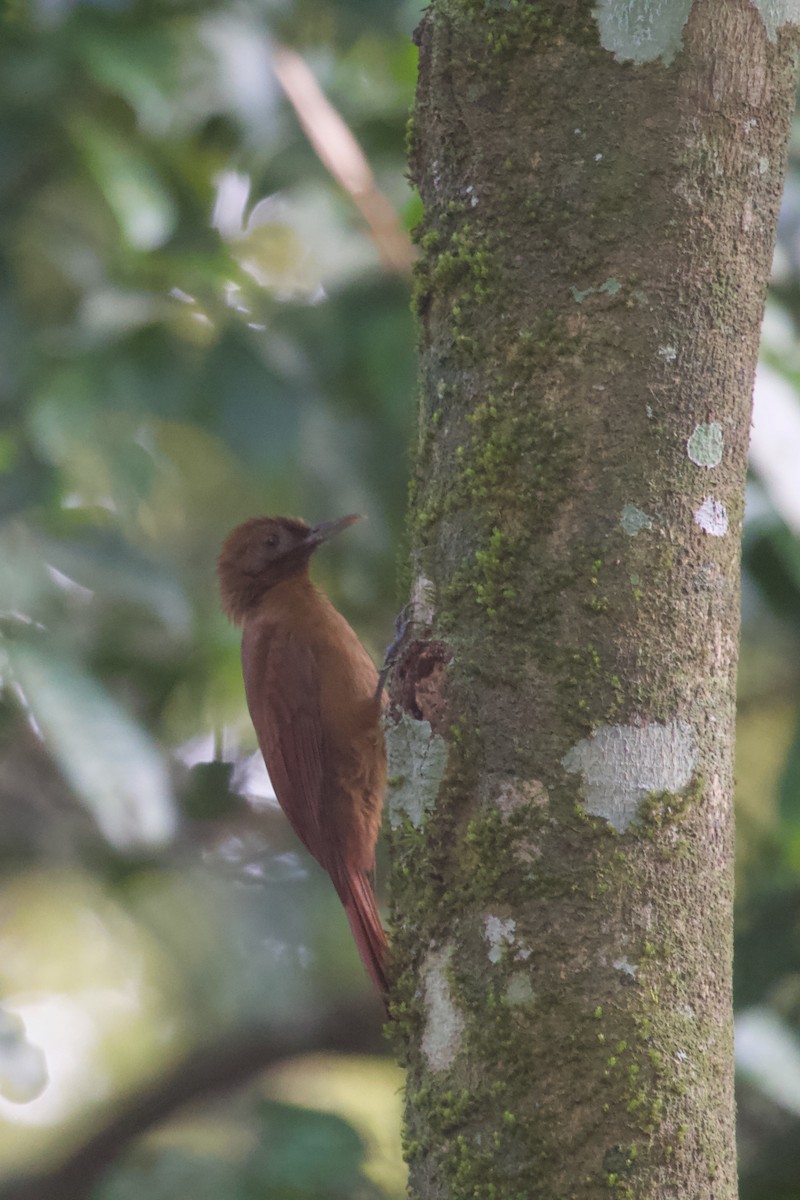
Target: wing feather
{"x": 282, "y": 688}
{"x": 282, "y": 684}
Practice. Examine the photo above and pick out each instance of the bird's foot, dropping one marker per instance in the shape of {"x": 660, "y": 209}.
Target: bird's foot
{"x": 401, "y": 625}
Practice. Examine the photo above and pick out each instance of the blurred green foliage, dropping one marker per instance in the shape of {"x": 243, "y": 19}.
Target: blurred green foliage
{"x": 292, "y": 1152}
{"x": 767, "y": 951}
{"x": 195, "y": 326}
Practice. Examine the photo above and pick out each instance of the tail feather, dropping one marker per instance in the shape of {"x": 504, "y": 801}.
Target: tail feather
{"x": 362, "y": 913}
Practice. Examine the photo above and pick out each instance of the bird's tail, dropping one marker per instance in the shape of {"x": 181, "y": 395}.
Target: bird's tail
{"x": 362, "y": 913}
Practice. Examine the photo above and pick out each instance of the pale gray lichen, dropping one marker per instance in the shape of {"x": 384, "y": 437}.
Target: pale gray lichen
{"x": 622, "y": 764}
{"x": 633, "y": 520}
{"x": 712, "y": 517}
{"x": 610, "y": 288}
{"x": 706, "y": 444}
{"x": 641, "y": 31}
{"x": 519, "y": 990}
{"x": 422, "y": 601}
{"x": 776, "y": 13}
{"x": 499, "y": 932}
{"x": 416, "y": 759}
{"x": 444, "y": 1025}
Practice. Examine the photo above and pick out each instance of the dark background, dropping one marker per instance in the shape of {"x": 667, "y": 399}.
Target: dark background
{"x": 196, "y": 326}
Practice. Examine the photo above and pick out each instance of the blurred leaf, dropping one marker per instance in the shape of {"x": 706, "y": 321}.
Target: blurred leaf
{"x": 143, "y": 206}
{"x": 142, "y": 67}
{"x": 165, "y": 1174}
{"x": 201, "y": 491}
{"x": 789, "y": 798}
{"x": 258, "y": 414}
{"x": 102, "y": 454}
{"x": 767, "y": 942}
{"x": 343, "y": 21}
{"x": 24, "y": 585}
{"x": 17, "y": 154}
{"x": 114, "y": 569}
{"x": 207, "y": 794}
{"x": 367, "y": 1092}
{"x": 768, "y": 1053}
{"x": 291, "y": 1153}
{"x": 772, "y": 554}
{"x": 304, "y": 1153}
{"x": 109, "y": 760}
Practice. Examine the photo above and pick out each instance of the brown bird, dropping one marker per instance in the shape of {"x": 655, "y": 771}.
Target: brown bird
{"x": 312, "y": 692}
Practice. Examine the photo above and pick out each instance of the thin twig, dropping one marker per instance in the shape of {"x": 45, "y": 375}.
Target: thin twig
{"x": 337, "y": 149}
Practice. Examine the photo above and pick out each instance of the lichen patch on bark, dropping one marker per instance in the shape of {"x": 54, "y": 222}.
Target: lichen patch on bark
{"x": 642, "y": 31}
{"x": 499, "y": 932}
{"x": 712, "y": 517}
{"x": 622, "y": 764}
{"x": 633, "y": 520}
{"x": 416, "y": 759}
{"x": 706, "y": 444}
{"x": 444, "y": 1024}
{"x": 519, "y": 990}
{"x": 422, "y": 605}
{"x": 778, "y": 13}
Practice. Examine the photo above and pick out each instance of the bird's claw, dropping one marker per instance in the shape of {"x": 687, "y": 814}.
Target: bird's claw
{"x": 402, "y": 622}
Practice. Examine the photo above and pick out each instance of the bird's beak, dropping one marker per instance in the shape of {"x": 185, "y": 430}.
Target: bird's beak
{"x": 328, "y": 529}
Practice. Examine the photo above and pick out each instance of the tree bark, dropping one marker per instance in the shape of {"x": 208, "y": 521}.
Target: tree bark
{"x": 601, "y": 186}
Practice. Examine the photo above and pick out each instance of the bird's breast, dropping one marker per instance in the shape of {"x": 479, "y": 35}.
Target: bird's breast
{"x": 344, "y": 676}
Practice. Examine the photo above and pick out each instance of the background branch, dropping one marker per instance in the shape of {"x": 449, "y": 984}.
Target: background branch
{"x": 230, "y": 1063}
{"x": 337, "y": 149}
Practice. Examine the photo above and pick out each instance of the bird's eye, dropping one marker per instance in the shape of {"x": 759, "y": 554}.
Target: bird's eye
{"x": 271, "y": 541}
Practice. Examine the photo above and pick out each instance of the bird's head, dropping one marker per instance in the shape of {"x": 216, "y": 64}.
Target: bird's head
{"x": 264, "y": 551}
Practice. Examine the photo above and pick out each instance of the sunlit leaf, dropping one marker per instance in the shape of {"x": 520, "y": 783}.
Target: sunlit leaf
{"x": 768, "y": 1052}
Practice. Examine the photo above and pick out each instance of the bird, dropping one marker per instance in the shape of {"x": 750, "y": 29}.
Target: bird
{"x": 315, "y": 700}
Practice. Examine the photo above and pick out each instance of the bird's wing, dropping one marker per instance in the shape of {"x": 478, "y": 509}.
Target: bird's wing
{"x": 282, "y": 687}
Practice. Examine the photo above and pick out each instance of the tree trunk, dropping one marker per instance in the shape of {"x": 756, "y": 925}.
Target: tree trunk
{"x": 600, "y": 191}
